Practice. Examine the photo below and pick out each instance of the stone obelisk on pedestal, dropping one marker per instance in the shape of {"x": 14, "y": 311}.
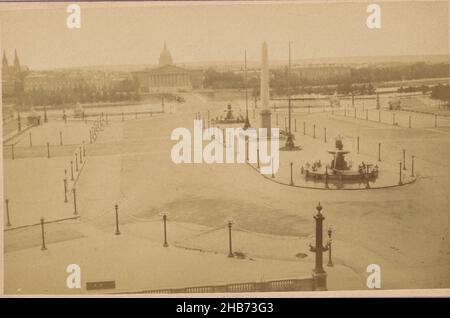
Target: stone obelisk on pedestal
{"x": 265, "y": 112}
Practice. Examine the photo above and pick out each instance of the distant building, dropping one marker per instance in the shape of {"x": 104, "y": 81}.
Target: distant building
{"x": 12, "y": 76}
{"x": 168, "y": 77}
{"x": 71, "y": 79}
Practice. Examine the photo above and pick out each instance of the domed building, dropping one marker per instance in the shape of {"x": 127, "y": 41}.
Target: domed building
{"x": 168, "y": 77}
{"x": 165, "y": 58}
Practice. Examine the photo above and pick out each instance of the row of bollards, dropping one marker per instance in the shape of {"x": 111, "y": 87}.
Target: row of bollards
{"x": 93, "y": 136}
{"x": 318, "y": 248}
{"x": 76, "y": 164}
{"x": 314, "y": 131}
{"x": 394, "y": 122}
{"x": 164, "y": 219}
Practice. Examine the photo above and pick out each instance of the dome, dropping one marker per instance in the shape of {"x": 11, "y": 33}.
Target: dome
{"x": 165, "y": 58}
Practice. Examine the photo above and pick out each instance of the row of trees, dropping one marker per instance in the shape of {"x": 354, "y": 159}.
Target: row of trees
{"x": 126, "y": 90}
{"x": 358, "y": 79}
{"x": 399, "y": 72}
{"x": 441, "y": 92}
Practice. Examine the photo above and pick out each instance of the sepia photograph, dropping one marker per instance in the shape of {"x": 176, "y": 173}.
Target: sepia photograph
{"x": 242, "y": 147}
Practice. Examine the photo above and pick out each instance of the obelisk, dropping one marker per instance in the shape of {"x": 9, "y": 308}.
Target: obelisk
{"x": 264, "y": 91}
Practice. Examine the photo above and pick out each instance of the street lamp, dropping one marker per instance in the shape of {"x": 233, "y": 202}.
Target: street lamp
{"x": 330, "y": 262}
{"x": 247, "y": 122}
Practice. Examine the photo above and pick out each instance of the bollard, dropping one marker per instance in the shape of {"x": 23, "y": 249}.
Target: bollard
{"x": 117, "y": 219}
{"x": 48, "y": 150}
{"x": 75, "y": 211}
{"x": 246, "y": 148}
{"x": 8, "y": 222}
{"x": 224, "y": 138}
{"x": 257, "y": 156}
{"x": 230, "y": 246}
{"x": 60, "y": 139}
{"x": 326, "y": 176}
{"x": 325, "y": 135}
{"x": 400, "y": 181}
{"x": 12, "y": 151}
{"x": 273, "y": 174}
{"x": 357, "y": 144}
{"x": 292, "y": 180}
{"x": 65, "y": 190}
{"x": 379, "y": 151}
{"x": 165, "y": 230}
{"x": 71, "y": 170}
{"x": 404, "y": 159}
{"x": 19, "y": 124}
{"x": 412, "y": 166}
{"x": 43, "y": 248}
{"x": 31, "y": 142}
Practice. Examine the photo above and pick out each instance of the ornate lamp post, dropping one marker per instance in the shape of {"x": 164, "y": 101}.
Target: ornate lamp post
{"x": 247, "y": 122}
{"x": 319, "y": 274}
{"x": 289, "y": 145}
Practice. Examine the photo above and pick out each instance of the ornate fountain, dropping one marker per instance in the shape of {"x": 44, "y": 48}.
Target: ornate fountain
{"x": 229, "y": 118}
{"x": 339, "y": 169}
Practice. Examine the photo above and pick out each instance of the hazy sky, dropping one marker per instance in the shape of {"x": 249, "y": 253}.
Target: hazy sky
{"x": 135, "y": 33}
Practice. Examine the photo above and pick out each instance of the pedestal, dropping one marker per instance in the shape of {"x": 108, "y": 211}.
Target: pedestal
{"x": 320, "y": 281}
{"x": 266, "y": 121}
